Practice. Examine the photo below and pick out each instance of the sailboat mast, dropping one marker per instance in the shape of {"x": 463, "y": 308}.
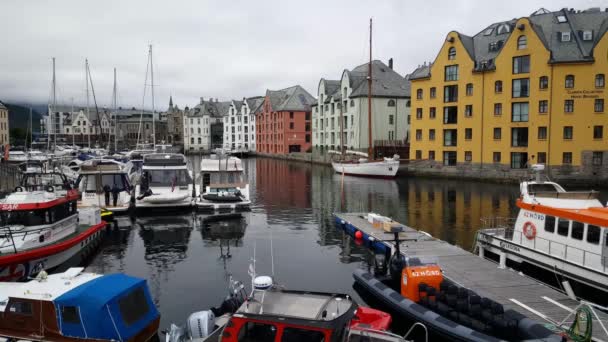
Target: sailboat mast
{"x": 54, "y": 106}
{"x": 29, "y": 130}
{"x": 342, "y": 124}
{"x": 86, "y": 71}
{"x": 115, "y": 114}
{"x": 152, "y": 86}
{"x": 73, "y": 138}
{"x": 370, "y": 149}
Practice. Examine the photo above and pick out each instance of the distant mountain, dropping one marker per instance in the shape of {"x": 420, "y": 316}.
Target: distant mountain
{"x": 19, "y": 116}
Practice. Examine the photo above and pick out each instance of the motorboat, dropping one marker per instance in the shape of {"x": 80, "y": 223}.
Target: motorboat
{"x": 166, "y": 182}
{"x": 565, "y": 232}
{"x": 40, "y": 226}
{"x": 37, "y": 156}
{"x": 360, "y": 165}
{"x": 16, "y": 157}
{"x": 104, "y": 184}
{"x": 271, "y": 313}
{"x": 78, "y": 306}
{"x": 223, "y": 184}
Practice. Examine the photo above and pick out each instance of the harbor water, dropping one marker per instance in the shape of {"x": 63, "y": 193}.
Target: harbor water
{"x": 187, "y": 258}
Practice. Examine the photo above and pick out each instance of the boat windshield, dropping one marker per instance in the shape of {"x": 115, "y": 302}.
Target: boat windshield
{"x": 39, "y": 181}
{"x": 26, "y": 217}
{"x": 102, "y": 182}
{"x": 226, "y": 177}
{"x": 534, "y": 188}
{"x": 168, "y": 177}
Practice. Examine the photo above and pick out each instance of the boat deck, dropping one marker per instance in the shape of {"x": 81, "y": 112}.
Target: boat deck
{"x": 507, "y": 287}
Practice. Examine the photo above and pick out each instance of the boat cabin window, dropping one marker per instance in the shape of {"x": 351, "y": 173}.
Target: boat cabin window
{"x": 19, "y": 308}
{"x": 257, "y": 332}
{"x": 206, "y": 180}
{"x": 562, "y": 226}
{"x": 39, "y": 182}
{"x": 550, "y": 224}
{"x": 593, "y": 234}
{"x": 577, "y": 230}
{"x": 115, "y": 180}
{"x": 168, "y": 177}
{"x": 301, "y": 335}
{"x": 534, "y": 188}
{"x": 133, "y": 306}
{"x": 69, "y": 314}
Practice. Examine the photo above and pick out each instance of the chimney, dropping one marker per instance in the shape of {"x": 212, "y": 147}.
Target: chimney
{"x": 390, "y": 63}
{"x": 216, "y": 100}
{"x": 202, "y": 100}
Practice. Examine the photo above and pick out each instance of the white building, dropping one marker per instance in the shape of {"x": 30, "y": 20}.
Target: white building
{"x": 203, "y": 125}
{"x": 347, "y": 98}
{"x": 63, "y": 122}
{"x": 239, "y": 125}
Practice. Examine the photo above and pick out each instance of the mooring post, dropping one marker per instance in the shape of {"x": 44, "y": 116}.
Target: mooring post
{"x": 503, "y": 260}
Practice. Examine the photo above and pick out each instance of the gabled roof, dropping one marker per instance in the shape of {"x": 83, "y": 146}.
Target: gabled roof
{"x": 255, "y": 104}
{"x": 2, "y": 106}
{"x": 332, "y": 89}
{"x": 211, "y": 108}
{"x": 293, "y": 98}
{"x": 386, "y": 82}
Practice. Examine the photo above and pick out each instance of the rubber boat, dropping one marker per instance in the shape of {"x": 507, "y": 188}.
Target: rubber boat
{"x": 77, "y": 306}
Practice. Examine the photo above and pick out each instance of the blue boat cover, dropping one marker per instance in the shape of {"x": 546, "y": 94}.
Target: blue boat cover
{"x": 114, "y": 306}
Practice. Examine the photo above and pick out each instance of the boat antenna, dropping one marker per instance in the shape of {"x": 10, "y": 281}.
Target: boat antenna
{"x": 251, "y": 270}
{"x": 271, "y": 255}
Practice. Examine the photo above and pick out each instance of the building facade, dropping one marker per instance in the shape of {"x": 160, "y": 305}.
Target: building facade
{"x": 175, "y": 124}
{"x": 4, "y": 130}
{"x": 283, "y": 125}
{"x": 347, "y": 98}
{"x": 67, "y": 124}
{"x": 239, "y": 125}
{"x": 520, "y": 92}
{"x": 203, "y": 125}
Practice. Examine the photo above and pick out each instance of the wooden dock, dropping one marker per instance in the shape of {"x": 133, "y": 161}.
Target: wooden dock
{"x": 505, "y": 286}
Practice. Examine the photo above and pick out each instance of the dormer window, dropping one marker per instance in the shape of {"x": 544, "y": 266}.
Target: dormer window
{"x": 522, "y": 43}
{"x": 503, "y": 28}
{"x": 587, "y": 35}
{"x": 562, "y": 19}
{"x": 488, "y": 31}
{"x": 452, "y": 53}
{"x": 565, "y": 36}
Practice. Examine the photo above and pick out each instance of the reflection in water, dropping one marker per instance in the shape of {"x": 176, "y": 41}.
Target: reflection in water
{"x": 224, "y": 231}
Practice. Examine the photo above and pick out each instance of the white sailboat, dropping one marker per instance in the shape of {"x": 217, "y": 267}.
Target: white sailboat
{"x": 363, "y": 166}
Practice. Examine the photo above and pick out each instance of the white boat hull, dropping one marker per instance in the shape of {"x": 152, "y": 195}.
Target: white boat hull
{"x": 382, "y": 169}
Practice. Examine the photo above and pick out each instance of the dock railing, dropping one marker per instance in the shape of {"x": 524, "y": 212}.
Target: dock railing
{"x": 501, "y": 227}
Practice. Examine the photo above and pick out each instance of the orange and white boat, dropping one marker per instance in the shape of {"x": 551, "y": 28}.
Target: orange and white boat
{"x": 565, "y": 232}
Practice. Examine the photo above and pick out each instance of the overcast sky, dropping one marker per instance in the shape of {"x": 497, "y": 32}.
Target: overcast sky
{"x": 223, "y": 49}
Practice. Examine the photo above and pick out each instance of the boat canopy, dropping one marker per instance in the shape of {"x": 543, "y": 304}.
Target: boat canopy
{"x": 164, "y": 159}
{"x": 111, "y": 307}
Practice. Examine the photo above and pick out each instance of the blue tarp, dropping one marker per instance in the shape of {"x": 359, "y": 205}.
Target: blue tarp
{"x": 99, "y": 315}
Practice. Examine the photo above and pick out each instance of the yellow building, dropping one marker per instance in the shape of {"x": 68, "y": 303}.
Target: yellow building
{"x": 523, "y": 91}
{"x": 4, "y": 139}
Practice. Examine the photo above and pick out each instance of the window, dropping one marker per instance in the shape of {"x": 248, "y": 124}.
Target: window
{"x": 418, "y": 134}
{"x": 569, "y": 106}
{"x": 431, "y": 134}
{"x": 496, "y": 157}
{"x": 433, "y": 92}
{"x": 598, "y": 132}
{"x": 541, "y": 157}
{"x": 449, "y": 158}
{"x": 450, "y": 93}
{"x": 21, "y": 308}
{"x": 498, "y": 109}
{"x": 519, "y": 137}
{"x": 419, "y": 94}
{"x": 521, "y": 64}
{"x": 522, "y": 42}
{"x": 543, "y": 82}
{"x": 469, "y": 89}
{"x": 549, "y": 224}
{"x": 432, "y": 112}
{"x": 418, "y": 154}
{"x": 599, "y": 81}
{"x": 497, "y": 133}
{"x": 498, "y": 87}
{"x": 567, "y": 158}
{"x": 450, "y": 137}
{"x": 542, "y": 133}
{"x": 468, "y": 133}
{"x": 562, "y": 226}
{"x": 577, "y": 230}
{"x": 257, "y": 332}
{"x": 468, "y": 111}
{"x": 565, "y": 36}
{"x": 519, "y": 112}
{"x": 468, "y": 156}
{"x": 133, "y": 306}
{"x": 431, "y": 155}
{"x": 291, "y": 113}
{"x": 543, "y": 106}
{"x": 587, "y": 35}
{"x": 568, "y": 132}
{"x": 450, "y": 115}
{"x": 561, "y": 19}
{"x": 599, "y": 106}
{"x": 307, "y": 138}
{"x": 391, "y": 103}
{"x": 569, "y": 82}
{"x": 352, "y": 103}
{"x": 519, "y": 160}
{"x": 391, "y": 119}
{"x": 451, "y": 73}
{"x": 69, "y": 314}
{"x": 418, "y": 113}
{"x": 593, "y": 234}
{"x": 452, "y": 53}
{"x": 521, "y": 87}
{"x": 301, "y": 335}
{"x": 597, "y": 158}
{"x": 291, "y": 124}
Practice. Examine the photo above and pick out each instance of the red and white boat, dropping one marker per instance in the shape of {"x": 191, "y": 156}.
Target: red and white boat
{"x": 40, "y": 227}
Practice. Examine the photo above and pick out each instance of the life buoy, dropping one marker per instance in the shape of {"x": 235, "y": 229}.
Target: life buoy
{"x": 529, "y": 230}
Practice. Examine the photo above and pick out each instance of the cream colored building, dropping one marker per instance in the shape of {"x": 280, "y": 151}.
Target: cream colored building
{"x": 4, "y": 136}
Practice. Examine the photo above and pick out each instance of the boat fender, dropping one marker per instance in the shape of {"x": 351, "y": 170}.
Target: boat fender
{"x": 529, "y": 230}
{"x": 19, "y": 189}
{"x": 50, "y": 188}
